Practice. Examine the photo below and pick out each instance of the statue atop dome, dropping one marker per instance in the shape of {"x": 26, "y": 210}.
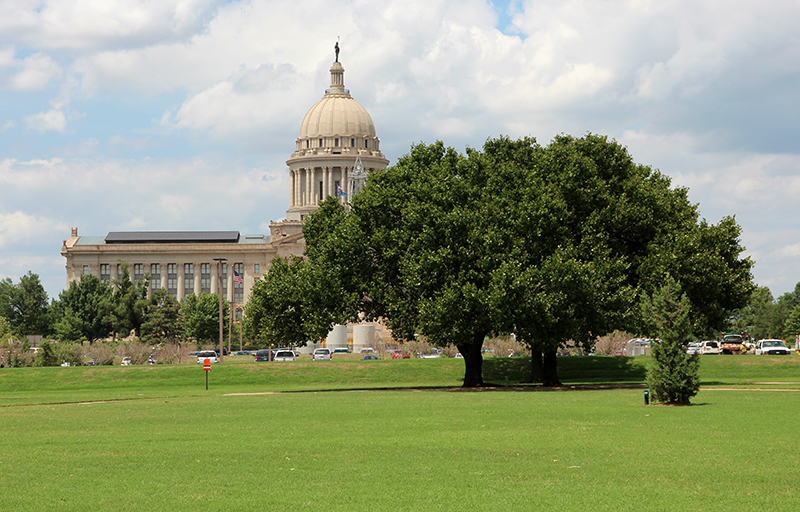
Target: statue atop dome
{"x": 336, "y": 49}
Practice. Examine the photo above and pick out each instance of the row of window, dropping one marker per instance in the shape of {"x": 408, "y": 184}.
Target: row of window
{"x": 336, "y": 143}
{"x": 188, "y": 279}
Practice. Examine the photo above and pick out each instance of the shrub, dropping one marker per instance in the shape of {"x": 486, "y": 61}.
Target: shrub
{"x": 171, "y": 353}
{"x": 138, "y": 352}
{"x": 674, "y": 376}
{"x": 612, "y": 342}
{"x": 102, "y": 353}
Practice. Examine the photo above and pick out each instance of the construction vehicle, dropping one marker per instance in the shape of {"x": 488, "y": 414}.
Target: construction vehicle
{"x": 733, "y": 342}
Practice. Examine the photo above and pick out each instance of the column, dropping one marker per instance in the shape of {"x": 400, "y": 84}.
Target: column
{"x": 197, "y": 276}
{"x": 229, "y": 285}
{"x": 181, "y": 271}
{"x": 326, "y": 175}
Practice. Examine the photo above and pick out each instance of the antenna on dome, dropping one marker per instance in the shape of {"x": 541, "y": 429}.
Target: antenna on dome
{"x": 336, "y": 49}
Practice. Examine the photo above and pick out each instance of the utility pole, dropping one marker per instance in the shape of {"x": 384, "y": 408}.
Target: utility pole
{"x": 219, "y": 293}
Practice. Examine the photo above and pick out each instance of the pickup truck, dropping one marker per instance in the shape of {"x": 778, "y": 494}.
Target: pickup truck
{"x": 772, "y": 347}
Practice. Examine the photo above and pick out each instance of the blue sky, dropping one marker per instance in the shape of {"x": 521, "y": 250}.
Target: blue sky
{"x": 180, "y": 114}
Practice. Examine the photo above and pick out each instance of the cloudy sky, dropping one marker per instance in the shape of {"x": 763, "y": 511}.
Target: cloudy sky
{"x": 180, "y": 114}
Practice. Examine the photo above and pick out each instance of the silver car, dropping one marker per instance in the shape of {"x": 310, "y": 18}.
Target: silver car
{"x": 285, "y": 355}
{"x": 321, "y": 354}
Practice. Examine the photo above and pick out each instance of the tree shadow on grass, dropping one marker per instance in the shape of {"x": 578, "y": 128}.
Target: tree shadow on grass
{"x": 607, "y": 370}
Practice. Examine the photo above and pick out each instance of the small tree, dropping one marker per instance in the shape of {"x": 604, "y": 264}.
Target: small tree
{"x": 674, "y": 376}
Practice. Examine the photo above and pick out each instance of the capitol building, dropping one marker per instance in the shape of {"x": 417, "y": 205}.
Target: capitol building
{"x": 336, "y": 148}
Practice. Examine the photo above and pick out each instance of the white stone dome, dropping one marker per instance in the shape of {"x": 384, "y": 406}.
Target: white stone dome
{"x": 337, "y": 113}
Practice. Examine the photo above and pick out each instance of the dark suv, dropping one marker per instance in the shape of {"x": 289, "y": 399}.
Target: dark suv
{"x": 264, "y": 355}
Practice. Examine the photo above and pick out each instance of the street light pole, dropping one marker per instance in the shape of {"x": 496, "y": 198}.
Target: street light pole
{"x": 219, "y": 293}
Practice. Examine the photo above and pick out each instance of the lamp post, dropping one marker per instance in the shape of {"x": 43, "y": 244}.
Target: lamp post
{"x": 219, "y": 293}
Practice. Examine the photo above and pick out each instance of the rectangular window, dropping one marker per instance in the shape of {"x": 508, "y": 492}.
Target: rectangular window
{"x": 85, "y": 269}
{"x": 256, "y": 268}
{"x": 172, "y": 279}
{"x": 336, "y": 142}
{"x": 238, "y": 282}
{"x": 205, "y": 278}
{"x": 105, "y": 272}
{"x": 320, "y": 142}
{"x": 119, "y": 271}
{"x": 366, "y": 145}
{"x": 138, "y": 271}
{"x": 352, "y": 143}
{"x": 155, "y": 276}
{"x": 321, "y": 197}
{"x": 188, "y": 279}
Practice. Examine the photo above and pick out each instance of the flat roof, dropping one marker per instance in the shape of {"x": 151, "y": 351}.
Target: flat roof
{"x": 172, "y": 237}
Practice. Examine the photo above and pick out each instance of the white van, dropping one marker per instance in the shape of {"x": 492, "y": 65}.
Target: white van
{"x": 206, "y": 354}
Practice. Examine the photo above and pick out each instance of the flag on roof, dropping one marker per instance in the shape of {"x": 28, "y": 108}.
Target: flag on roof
{"x": 237, "y": 278}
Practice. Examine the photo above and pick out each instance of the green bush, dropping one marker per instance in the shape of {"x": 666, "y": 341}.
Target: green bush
{"x": 674, "y": 376}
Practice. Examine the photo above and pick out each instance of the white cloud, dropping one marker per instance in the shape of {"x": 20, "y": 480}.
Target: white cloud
{"x": 32, "y": 73}
{"x": 19, "y": 228}
{"x": 52, "y": 120}
{"x": 85, "y": 24}
{"x": 705, "y": 91}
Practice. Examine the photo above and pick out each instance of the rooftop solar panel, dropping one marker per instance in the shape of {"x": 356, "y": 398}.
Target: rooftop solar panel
{"x": 172, "y": 237}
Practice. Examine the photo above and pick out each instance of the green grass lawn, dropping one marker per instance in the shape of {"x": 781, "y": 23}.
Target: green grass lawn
{"x": 164, "y": 443}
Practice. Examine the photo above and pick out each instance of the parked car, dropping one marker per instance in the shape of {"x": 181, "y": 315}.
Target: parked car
{"x": 206, "y": 354}
{"x": 693, "y": 348}
{"x": 264, "y": 354}
{"x": 709, "y": 347}
{"x": 366, "y": 350}
{"x": 321, "y": 354}
{"x": 224, "y": 351}
{"x": 126, "y": 361}
{"x": 771, "y": 348}
{"x": 400, "y": 355}
{"x": 285, "y": 355}
{"x": 341, "y": 350}
{"x": 370, "y": 357}
{"x": 243, "y": 353}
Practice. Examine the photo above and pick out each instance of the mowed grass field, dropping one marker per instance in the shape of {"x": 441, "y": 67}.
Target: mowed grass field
{"x": 152, "y": 438}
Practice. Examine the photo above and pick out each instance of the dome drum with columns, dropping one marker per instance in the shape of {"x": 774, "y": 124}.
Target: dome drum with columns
{"x": 336, "y": 134}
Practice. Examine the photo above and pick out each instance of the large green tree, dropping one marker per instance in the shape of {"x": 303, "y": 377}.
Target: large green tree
{"x": 86, "y": 310}
{"x": 129, "y": 303}
{"x": 201, "y": 317}
{"x": 589, "y": 231}
{"x": 25, "y": 305}
{"x": 163, "y": 321}
{"x": 552, "y": 243}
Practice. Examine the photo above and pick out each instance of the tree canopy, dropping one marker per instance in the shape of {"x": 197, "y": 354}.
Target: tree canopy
{"x": 551, "y": 243}
{"x": 25, "y": 305}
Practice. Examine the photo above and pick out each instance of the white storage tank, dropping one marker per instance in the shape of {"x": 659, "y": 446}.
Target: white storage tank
{"x": 363, "y": 336}
{"x": 337, "y": 337}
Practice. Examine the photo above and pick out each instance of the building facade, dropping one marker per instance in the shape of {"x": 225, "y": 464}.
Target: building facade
{"x": 336, "y": 148}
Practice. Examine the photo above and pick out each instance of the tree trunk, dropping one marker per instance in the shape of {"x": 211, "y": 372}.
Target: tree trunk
{"x": 473, "y": 364}
{"x": 537, "y": 368}
{"x": 550, "y": 370}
